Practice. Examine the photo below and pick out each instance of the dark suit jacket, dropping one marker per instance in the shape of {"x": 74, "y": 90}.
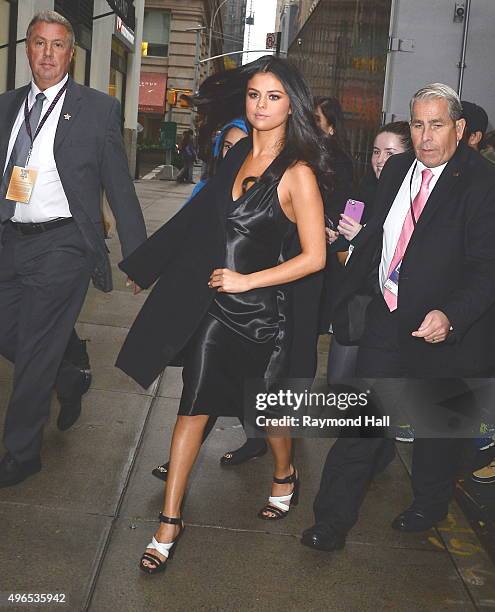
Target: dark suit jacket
{"x": 89, "y": 153}
{"x": 449, "y": 265}
{"x": 181, "y": 255}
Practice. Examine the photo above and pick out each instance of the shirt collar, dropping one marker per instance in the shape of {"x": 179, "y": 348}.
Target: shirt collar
{"x": 437, "y": 171}
{"x": 51, "y": 92}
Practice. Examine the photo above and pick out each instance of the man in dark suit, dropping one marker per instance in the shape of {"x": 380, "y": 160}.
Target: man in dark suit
{"x": 427, "y": 263}
{"x": 60, "y": 144}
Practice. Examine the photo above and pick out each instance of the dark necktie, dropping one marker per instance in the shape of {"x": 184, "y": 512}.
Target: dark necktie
{"x": 18, "y": 157}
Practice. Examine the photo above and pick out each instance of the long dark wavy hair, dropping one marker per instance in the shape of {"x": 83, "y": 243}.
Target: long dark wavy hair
{"x": 332, "y": 111}
{"x": 223, "y": 95}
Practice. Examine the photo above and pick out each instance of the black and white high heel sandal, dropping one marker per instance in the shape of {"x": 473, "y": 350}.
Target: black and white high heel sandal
{"x": 166, "y": 549}
{"x": 280, "y": 505}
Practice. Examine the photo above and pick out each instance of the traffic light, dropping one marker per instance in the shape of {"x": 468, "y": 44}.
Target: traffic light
{"x": 172, "y": 97}
{"x": 184, "y": 99}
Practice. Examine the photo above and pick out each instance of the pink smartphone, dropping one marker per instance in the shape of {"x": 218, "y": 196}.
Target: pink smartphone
{"x": 354, "y": 209}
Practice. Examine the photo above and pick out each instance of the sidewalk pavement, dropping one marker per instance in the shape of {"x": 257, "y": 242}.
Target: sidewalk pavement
{"x": 80, "y": 526}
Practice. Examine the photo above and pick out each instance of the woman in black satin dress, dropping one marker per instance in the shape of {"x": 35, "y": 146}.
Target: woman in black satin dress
{"x": 268, "y": 242}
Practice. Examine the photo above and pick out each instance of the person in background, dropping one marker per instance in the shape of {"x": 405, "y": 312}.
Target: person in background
{"x": 476, "y": 124}
{"x": 188, "y": 156}
{"x": 487, "y": 148}
{"x": 329, "y": 118}
{"x": 225, "y": 138}
{"x": 391, "y": 139}
{"x": 474, "y": 135}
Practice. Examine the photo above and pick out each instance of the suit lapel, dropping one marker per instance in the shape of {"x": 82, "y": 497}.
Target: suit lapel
{"x": 441, "y": 194}
{"x": 70, "y": 109}
{"x": 10, "y": 117}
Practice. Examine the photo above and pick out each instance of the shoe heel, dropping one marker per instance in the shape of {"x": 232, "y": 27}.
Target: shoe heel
{"x": 176, "y": 541}
{"x": 295, "y": 495}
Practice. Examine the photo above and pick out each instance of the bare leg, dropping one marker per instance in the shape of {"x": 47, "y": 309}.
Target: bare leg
{"x": 280, "y": 443}
{"x": 186, "y": 442}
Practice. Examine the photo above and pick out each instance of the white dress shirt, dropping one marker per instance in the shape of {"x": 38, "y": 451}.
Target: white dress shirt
{"x": 397, "y": 213}
{"x": 48, "y": 200}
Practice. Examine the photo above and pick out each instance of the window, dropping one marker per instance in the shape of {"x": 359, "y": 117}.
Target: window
{"x": 4, "y": 39}
{"x": 156, "y": 31}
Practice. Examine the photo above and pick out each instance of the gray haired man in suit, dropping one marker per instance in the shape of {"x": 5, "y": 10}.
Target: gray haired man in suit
{"x": 60, "y": 145}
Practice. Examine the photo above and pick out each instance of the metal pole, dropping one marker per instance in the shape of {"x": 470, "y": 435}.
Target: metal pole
{"x": 212, "y": 21}
{"x": 196, "y": 69}
{"x": 206, "y": 59}
{"x": 462, "y": 62}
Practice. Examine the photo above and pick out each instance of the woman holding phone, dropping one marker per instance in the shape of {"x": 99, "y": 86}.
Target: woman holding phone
{"x": 391, "y": 139}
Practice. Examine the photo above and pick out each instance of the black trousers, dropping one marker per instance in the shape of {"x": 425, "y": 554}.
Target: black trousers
{"x": 352, "y": 462}
{"x": 43, "y": 282}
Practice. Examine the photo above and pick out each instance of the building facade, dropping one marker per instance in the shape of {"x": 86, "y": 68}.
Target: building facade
{"x": 287, "y": 23}
{"x": 8, "y": 37}
{"x": 175, "y": 40}
{"x": 234, "y": 22}
{"x": 342, "y": 51}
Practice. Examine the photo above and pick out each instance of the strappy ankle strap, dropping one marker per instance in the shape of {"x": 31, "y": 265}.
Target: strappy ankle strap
{"x": 169, "y": 519}
{"x": 287, "y": 480}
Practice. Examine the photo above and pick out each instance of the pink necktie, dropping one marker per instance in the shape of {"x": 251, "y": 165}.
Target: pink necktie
{"x": 406, "y": 233}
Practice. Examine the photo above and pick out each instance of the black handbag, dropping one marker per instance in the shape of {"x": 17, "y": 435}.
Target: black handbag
{"x": 349, "y": 319}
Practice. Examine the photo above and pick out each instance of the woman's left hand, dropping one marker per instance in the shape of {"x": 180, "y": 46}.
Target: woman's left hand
{"x": 228, "y": 281}
{"x": 348, "y": 227}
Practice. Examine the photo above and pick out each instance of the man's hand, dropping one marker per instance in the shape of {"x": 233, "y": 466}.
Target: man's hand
{"x": 228, "y": 281}
{"x": 135, "y": 288}
{"x": 434, "y": 328}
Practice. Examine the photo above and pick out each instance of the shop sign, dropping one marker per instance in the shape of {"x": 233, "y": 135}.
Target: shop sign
{"x": 152, "y": 90}
{"x": 125, "y": 10}
{"x": 124, "y": 34}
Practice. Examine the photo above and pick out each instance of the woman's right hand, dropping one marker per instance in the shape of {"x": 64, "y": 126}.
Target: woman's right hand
{"x": 349, "y": 227}
{"x": 331, "y": 235}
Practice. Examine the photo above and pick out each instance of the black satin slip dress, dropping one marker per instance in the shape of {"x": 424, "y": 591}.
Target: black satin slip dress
{"x": 238, "y": 337}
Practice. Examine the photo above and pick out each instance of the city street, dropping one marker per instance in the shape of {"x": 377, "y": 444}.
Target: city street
{"x": 80, "y": 526}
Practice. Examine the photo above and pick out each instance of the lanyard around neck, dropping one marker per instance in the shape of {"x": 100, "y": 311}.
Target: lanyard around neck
{"x": 411, "y": 209}
{"x": 27, "y": 114}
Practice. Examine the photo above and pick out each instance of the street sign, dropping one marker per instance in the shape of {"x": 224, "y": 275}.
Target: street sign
{"x": 271, "y": 40}
{"x": 168, "y": 135}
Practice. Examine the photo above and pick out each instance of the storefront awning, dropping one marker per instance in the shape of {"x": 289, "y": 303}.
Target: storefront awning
{"x": 152, "y": 90}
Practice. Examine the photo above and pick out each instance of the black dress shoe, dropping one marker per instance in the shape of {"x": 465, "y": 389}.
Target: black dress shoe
{"x": 13, "y": 472}
{"x": 415, "y": 519}
{"x": 252, "y": 448}
{"x": 322, "y": 537}
{"x": 70, "y": 405}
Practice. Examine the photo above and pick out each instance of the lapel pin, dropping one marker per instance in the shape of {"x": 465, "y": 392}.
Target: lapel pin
{"x": 67, "y": 116}
{"x": 456, "y": 174}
